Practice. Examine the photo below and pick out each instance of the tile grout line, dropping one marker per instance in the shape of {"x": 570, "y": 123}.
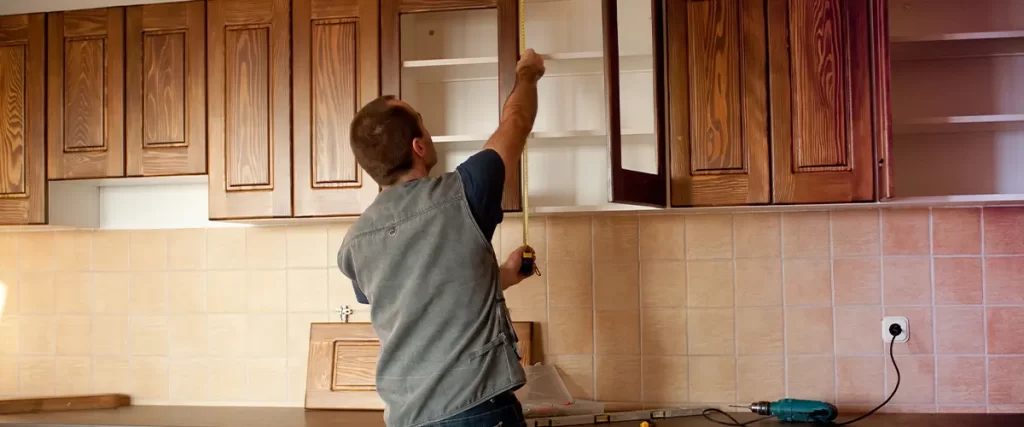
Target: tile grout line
{"x": 832, "y": 296}
{"x": 881, "y": 292}
{"x": 782, "y": 273}
{"x": 640, "y": 313}
{"x": 984, "y": 306}
{"x": 935, "y": 334}
{"x": 735, "y": 320}
{"x": 593, "y": 305}
{"x": 686, "y": 312}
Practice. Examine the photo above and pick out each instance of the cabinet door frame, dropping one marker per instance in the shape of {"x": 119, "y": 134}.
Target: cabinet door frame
{"x": 629, "y": 186}
{"x": 880, "y": 78}
{"x": 508, "y": 55}
{"x": 186, "y": 156}
{"x": 24, "y": 202}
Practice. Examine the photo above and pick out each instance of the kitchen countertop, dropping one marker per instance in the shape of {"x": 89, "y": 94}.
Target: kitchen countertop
{"x": 207, "y": 416}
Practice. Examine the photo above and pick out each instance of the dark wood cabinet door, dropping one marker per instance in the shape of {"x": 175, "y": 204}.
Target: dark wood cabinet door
{"x": 335, "y": 57}
{"x": 718, "y": 103}
{"x": 249, "y": 108}
{"x": 391, "y": 12}
{"x": 86, "y": 94}
{"x": 165, "y": 93}
{"x": 820, "y": 77}
{"x": 22, "y": 136}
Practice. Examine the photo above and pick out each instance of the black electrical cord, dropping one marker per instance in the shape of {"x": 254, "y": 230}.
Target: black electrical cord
{"x": 894, "y": 330}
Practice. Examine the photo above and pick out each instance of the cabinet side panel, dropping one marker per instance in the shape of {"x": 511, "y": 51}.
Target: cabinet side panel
{"x": 22, "y": 139}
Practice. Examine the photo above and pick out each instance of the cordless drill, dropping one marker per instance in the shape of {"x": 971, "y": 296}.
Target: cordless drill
{"x": 796, "y": 410}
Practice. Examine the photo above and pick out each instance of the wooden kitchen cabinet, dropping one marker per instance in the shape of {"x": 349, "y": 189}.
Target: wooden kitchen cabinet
{"x": 248, "y": 108}
{"x": 335, "y": 71}
{"x": 22, "y": 103}
{"x": 85, "y": 91}
{"x": 165, "y": 93}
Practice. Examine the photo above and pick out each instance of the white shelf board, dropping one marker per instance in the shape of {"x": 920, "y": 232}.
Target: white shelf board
{"x": 556, "y": 64}
{"x": 980, "y": 35}
{"x": 538, "y": 135}
{"x": 969, "y": 123}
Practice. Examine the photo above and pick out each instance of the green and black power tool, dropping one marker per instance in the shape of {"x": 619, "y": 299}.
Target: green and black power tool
{"x": 796, "y": 410}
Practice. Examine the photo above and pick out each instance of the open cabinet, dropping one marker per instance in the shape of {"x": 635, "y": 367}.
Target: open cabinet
{"x": 597, "y": 142}
{"x": 957, "y": 114}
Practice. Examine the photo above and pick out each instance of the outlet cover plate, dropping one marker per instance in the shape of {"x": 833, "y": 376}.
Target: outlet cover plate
{"x": 902, "y": 321}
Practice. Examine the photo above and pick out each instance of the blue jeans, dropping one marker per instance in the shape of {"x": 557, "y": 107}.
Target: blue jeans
{"x": 503, "y": 410}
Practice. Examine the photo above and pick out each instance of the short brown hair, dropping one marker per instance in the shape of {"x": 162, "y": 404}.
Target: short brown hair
{"x": 381, "y": 137}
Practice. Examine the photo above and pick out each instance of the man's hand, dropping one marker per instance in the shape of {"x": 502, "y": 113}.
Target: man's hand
{"x": 510, "y": 269}
{"x": 530, "y": 66}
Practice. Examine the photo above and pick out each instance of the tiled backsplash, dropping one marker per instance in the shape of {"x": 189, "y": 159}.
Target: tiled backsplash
{"x": 643, "y": 309}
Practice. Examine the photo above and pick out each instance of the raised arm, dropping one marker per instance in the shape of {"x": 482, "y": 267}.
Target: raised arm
{"x": 519, "y": 112}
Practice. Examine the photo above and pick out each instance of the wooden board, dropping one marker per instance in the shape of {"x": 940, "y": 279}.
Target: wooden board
{"x": 343, "y": 364}
{"x": 22, "y": 138}
{"x": 65, "y": 403}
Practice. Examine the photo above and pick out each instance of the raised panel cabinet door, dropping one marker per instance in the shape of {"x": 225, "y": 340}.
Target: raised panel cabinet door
{"x": 249, "y": 108}
{"x": 86, "y": 94}
{"x": 821, "y": 95}
{"x": 335, "y": 57}
{"x": 22, "y": 115}
{"x": 165, "y": 94}
{"x": 718, "y": 102}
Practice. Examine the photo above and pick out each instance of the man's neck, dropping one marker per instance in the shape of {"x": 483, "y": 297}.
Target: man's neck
{"x": 412, "y": 175}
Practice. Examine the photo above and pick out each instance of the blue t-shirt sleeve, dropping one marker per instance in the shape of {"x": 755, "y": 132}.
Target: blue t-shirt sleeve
{"x": 483, "y": 178}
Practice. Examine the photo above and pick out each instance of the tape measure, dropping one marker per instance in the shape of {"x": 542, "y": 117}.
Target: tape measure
{"x": 528, "y": 266}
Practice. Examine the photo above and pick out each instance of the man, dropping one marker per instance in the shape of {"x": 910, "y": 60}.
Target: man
{"x": 421, "y": 256}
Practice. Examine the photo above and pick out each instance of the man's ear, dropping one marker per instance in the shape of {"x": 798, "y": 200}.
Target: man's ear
{"x": 419, "y": 147}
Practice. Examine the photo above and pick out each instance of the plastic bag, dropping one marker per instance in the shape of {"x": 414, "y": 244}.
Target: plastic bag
{"x": 545, "y": 395}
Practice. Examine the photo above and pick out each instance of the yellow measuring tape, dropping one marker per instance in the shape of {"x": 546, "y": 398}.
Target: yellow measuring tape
{"x": 525, "y": 169}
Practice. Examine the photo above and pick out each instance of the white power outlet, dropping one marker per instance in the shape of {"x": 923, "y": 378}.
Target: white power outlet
{"x": 899, "y": 320}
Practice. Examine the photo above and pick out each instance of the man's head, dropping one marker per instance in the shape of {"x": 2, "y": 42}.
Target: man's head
{"x": 390, "y": 142}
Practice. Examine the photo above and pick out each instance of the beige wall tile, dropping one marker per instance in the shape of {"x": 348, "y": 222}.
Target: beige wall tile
{"x": 760, "y": 378}
{"x": 9, "y": 253}
{"x": 225, "y": 248}
{"x": 147, "y": 250}
{"x": 809, "y": 330}
{"x": 37, "y": 335}
{"x": 712, "y": 379}
{"x": 37, "y": 375}
{"x": 857, "y": 280}
{"x": 807, "y": 281}
{"x": 10, "y": 327}
{"x": 307, "y": 290}
{"x": 74, "y": 335}
{"x": 577, "y": 372}
{"x": 111, "y": 249}
{"x": 187, "y": 334}
{"x": 616, "y": 239}
{"x": 266, "y": 335}
{"x": 709, "y": 283}
{"x": 758, "y": 282}
{"x": 73, "y": 293}
{"x": 307, "y": 247}
{"x": 758, "y": 235}
{"x": 37, "y": 293}
{"x": 663, "y": 332}
{"x": 226, "y": 291}
{"x": 150, "y": 378}
{"x": 805, "y": 234}
{"x": 855, "y": 233}
{"x": 663, "y": 283}
{"x": 921, "y": 320}
{"x": 811, "y": 377}
{"x": 1004, "y": 374}
{"x": 571, "y": 331}
{"x": 10, "y": 279}
{"x": 907, "y": 281}
{"x": 266, "y": 247}
{"x": 267, "y": 291}
{"x": 335, "y": 236}
{"x": 231, "y": 384}
{"x": 709, "y": 237}
{"x": 530, "y": 293}
{"x": 618, "y": 378}
{"x": 296, "y": 384}
{"x": 187, "y": 292}
{"x": 666, "y": 379}
{"x": 109, "y": 335}
{"x": 186, "y": 249}
{"x": 617, "y": 332}
{"x": 298, "y": 332}
{"x": 110, "y": 293}
{"x": 962, "y": 409}
{"x": 571, "y": 284}
{"x": 617, "y": 286}
{"x": 1003, "y": 284}
{"x": 9, "y": 369}
{"x": 226, "y": 334}
{"x": 860, "y": 379}
{"x": 960, "y": 330}
{"x": 917, "y": 384}
{"x": 37, "y": 251}
{"x": 759, "y": 330}
{"x": 510, "y": 237}
{"x": 960, "y": 380}
{"x": 710, "y": 331}
{"x": 149, "y": 335}
{"x": 1004, "y": 329}
{"x": 73, "y": 250}
{"x": 189, "y": 380}
{"x": 569, "y": 238}
{"x": 905, "y": 232}
{"x": 957, "y": 280}
{"x": 956, "y": 231}
{"x": 111, "y": 375}
{"x": 857, "y": 330}
{"x": 662, "y": 237}
{"x": 1004, "y": 230}
{"x": 267, "y": 379}
{"x": 73, "y": 375}
{"x": 148, "y": 292}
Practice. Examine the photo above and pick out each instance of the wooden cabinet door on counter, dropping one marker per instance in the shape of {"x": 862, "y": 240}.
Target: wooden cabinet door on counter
{"x": 821, "y": 95}
{"x": 22, "y": 137}
{"x": 718, "y": 105}
{"x": 85, "y": 133}
{"x": 335, "y": 71}
{"x": 249, "y": 102}
{"x": 165, "y": 95}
